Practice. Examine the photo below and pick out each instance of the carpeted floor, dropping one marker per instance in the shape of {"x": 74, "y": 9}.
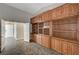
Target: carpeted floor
{"x": 36, "y": 49}
{"x": 28, "y": 49}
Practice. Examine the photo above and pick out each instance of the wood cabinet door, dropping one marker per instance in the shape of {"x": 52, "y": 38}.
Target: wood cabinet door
{"x": 78, "y": 28}
{"x": 69, "y": 48}
{"x": 45, "y": 41}
{"x": 43, "y": 17}
{"x": 74, "y": 9}
{"x": 37, "y": 19}
{"x": 32, "y": 20}
{"x": 59, "y": 12}
{"x": 65, "y": 10}
{"x": 58, "y": 45}
{"x": 46, "y": 16}
{"x": 38, "y": 38}
{"x": 53, "y": 14}
{"x": 33, "y": 37}
{"x": 70, "y": 9}
{"x": 75, "y": 49}
{"x": 49, "y": 15}
{"x": 64, "y": 47}
{"x": 53, "y": 43}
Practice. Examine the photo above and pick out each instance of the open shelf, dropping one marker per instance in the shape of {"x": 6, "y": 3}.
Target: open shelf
{"x": 65, "y": 28}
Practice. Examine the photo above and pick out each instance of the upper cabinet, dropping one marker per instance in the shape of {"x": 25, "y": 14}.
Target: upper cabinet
{"x": 70, "y": 9}
{"x": 36, "y": 19}
{"x": 56, "y": 13}
{"x": 46, "y": 16}
{"x": 65, "y": 10}
{"x": 60, "y": 12}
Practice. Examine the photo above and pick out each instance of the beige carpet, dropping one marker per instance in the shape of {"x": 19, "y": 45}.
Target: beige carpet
{"x": 25, "y": 48}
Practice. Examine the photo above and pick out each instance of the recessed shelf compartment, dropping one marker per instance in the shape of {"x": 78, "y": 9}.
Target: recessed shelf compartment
{"x": 65, "y": 28}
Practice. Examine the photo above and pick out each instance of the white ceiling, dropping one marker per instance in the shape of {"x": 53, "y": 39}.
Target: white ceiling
{"x": 34, "y": 8}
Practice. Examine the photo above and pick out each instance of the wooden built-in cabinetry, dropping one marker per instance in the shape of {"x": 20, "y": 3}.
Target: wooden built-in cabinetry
{"x": 64, "y": 45}
{"x": 41, "y": 32}
{"x": 58, "y": 29}
{"x": 66, "y": 10}
{"x": 45, "y": 41}
{"x": 65, "y": 28}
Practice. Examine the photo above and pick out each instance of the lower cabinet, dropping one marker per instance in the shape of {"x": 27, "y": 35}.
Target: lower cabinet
{"x": 46, "y": 41}
{"x": 41, "y": 39}
{"x": 60, "y": 45}
{"x": 53, "y": 43}
{"x": 70, "y": 48}
{"x": 75, "y": 49}
{"x": 38, "y": 38}
{"x": 34, "y": 37}
{"x": 64, "y": 47}
{"x": 56, "y": 44}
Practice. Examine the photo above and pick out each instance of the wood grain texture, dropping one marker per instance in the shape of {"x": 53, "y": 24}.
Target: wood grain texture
{"x": 46, "y": 41}
{"x": 61, "y": 24}
{"x": 64, "y": 47}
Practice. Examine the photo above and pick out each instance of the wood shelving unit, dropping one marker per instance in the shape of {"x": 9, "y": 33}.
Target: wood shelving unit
{"x": 35, "y": 28}
{"x": 46, "y": 28}
{"x": 65, "y": 28}
{"x": 58, "y": 28}
{"x": 40, "y": 28}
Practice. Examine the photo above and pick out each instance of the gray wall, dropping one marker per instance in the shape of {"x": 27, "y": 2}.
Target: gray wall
{"x": 13, "y": 14}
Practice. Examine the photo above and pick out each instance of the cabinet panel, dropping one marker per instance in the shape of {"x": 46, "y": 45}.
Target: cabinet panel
{"x": 74, "y": 9}
{"x": 38, "y": 38}
{"x": 78, "y": 35}
{"x": 43, "y": 17}
{"x": 64, "y": 47}
{"x": 65, "y": 10}
{"x": 69, "y": 48}
{"x": 53, "y": 13}
{"x": 75, "y": 49}
{"x": 58, "y": 13}
{"x": 46, "y": 41}
{"x": 78, "y": 28}
{"x": 53, "y": 43}
{"x": 34, "y": 37}
{"x": 46, "y": 16}
{"x": 58, "y": 45}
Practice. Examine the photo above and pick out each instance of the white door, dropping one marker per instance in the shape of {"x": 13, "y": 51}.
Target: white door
{"x": 9, "y": 30}
{"x": 10, "y": 41}
{"x": 26, "y": 32}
